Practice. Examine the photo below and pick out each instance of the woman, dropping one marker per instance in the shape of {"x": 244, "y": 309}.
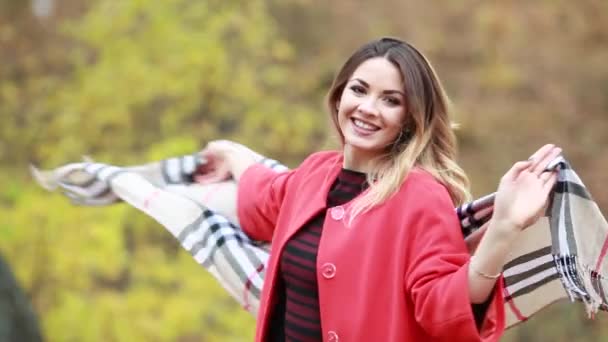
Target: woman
{"x": 365, "y": 242}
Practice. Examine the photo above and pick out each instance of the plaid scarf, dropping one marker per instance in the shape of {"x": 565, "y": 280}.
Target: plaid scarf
{"x": 560, "y": 257}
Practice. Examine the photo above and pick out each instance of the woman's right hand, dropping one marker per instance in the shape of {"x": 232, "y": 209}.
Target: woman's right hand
{"x": 225, "y": 159}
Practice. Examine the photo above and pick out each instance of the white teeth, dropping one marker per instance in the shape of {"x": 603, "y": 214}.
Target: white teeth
{"x": 364, "y": 125}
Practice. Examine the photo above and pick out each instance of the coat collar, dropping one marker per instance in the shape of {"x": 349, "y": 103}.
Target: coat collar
{"x": 314, "y": 186}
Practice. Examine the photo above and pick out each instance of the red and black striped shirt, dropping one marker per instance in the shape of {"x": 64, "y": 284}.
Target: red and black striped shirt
{"x": 296, "y": 316}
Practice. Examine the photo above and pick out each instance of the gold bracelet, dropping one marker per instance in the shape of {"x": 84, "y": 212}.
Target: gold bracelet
{"x": 478, "y": 272}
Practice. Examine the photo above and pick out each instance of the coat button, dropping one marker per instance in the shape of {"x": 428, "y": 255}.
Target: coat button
{"x": 332, "y": 336}
{"x": 337, "y": 213}
{"x": 328, "y": 270}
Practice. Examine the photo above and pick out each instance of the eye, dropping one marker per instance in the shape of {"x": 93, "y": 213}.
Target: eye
{"x": 357, "y": 89}
{"x": 392, "y": 101}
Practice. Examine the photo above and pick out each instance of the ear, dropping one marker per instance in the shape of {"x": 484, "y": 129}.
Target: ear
{"x": 338, "y": 106}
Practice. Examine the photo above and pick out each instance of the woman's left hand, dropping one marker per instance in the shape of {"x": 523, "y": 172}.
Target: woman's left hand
{"x": 225, "y": 159}
{"x": 524, "y": 190}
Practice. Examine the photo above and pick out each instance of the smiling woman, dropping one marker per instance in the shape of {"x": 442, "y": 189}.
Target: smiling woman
{"x": 370, "y": 230}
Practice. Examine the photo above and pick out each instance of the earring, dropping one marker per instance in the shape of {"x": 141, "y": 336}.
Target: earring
{"x": 407, "y": 133}
{"x": 404, "y": 136}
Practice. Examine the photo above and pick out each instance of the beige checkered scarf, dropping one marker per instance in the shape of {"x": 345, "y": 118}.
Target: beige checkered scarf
{"x": 562, "y": 256}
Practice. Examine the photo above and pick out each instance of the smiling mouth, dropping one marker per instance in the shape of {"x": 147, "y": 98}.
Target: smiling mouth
{"x": 364, "y": 125}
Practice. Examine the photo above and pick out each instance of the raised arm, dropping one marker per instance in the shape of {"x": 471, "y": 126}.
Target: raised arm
{"x": 260, "y": 190}
{"x": 521, "y": 199}
{"x": 188, "y": 211}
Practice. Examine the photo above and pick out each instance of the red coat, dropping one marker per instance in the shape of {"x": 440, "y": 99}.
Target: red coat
{"x": 398, "y": 273}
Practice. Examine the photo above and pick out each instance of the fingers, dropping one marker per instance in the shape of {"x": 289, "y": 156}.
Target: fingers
{"x": 537, "y": 162}
{"x": 226, "y": 159}
{"x": 217, "y": 152}
{"x": 541, "y": 152}
{"x": 219, "y": 147}
{"x": 541, "y": 166}
{"x": 516, "y": 169}
{"x": 212, "y": 177}
{"x": 545, "y": 176}
{"x": 483, "y": 213}
{"x": 549, "y": 179}
{"x": 542, "y": 158}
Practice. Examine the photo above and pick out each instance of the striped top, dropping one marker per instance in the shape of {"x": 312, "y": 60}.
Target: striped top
{"x": 296, "y": 316}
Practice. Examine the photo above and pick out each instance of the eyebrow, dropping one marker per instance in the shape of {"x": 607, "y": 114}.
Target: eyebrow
{"x": 388, "y": 92}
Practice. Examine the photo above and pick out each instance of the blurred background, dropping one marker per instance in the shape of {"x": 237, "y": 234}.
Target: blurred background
{"x": 130, "y": 81}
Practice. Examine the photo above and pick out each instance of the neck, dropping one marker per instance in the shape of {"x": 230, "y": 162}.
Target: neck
{"x": 356, "y": 160}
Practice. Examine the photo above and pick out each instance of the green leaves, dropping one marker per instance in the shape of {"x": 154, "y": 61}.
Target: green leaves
{"x": 142, "y": 80}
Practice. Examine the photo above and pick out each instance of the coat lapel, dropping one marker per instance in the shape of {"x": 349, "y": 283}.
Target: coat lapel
{"x": 311, "y": 195}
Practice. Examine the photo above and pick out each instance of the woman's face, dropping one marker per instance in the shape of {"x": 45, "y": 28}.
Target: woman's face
{"x": 371, "y": 111}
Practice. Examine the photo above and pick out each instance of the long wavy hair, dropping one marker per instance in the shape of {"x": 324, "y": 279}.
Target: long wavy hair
{"x": 427, "y": 139}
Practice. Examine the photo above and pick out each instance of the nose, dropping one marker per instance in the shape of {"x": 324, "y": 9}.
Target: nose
{"x": 368, "y": 106}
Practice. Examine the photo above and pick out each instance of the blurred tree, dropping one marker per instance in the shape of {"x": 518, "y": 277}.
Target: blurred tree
{"x": 133, "y": 81}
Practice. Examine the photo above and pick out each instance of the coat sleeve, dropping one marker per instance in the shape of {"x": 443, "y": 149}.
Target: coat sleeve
{"x": 436, "y": 277}
{"x": 261, "y": 192}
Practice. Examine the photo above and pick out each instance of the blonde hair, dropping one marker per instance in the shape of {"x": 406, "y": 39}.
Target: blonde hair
{"x": 427, "y": 140}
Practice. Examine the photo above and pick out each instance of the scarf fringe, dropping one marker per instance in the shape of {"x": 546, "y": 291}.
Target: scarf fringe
{"x": 577, "y": 278}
